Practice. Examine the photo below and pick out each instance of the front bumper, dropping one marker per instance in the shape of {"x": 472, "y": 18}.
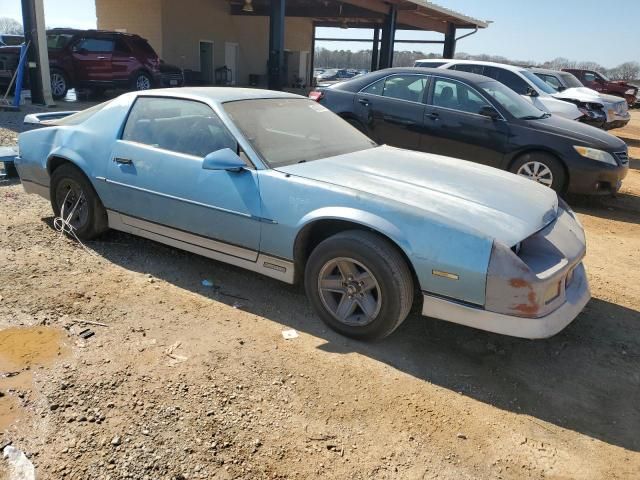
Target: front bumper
{"x": 595, "y": 178}
{"x": 617, "y": 123}
{"x": 576, "y": 297}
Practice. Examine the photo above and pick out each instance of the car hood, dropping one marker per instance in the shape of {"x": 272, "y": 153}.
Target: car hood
{"x": 556, "y": 106}
{"x": 578, "y": 133}
{"x": 582, "y": 94}
{"x": 473, "y": 197}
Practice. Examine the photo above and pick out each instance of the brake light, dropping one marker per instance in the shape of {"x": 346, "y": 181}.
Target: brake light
{"x": 316, "y": 95}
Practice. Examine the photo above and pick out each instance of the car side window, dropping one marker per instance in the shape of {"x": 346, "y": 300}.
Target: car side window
{"x": 510, "y": 79}
{"x": 550, "y": 80}
{"x": 589, "y": 77}
{"x": 405, "y": 87}
{"x": 469, "y": 67}
{"x": 95, "y": 45}
{"x": 182, "y": 126}
{"x": 455, "y": 95}
{"x": 375, "y": 88}
{"x": 122, "y": 47}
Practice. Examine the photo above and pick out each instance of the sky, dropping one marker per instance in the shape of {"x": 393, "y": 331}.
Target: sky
{"x": 606, "y": 32}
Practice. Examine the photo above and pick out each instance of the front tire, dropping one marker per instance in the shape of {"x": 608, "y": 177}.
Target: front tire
{"x": 359, "y": 284}
{"x": 73, "y": 196}
{"x": 542, "y": 168}
{"x": 141, "y": 81}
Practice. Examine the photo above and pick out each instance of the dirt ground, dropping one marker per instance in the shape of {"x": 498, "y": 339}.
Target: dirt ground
{"x": 192, "y": 382}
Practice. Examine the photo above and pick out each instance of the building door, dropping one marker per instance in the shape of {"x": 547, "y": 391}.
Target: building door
{"x": 231, "y": 60}
{"x": 206, "y": 62}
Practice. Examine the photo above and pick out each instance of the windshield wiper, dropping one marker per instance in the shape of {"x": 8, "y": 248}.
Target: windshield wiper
{"x": 534, "y": 117}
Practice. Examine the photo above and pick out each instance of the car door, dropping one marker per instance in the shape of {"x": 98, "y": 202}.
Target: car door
{"x": 456, "y": 127}
{"x": 392, "y": 109}
{"x": 92, "y": 59}
{"x": 121, "y": 61}
{"x": 157, "y": 182}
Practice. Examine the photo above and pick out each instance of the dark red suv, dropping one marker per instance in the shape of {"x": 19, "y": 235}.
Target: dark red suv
{"x": 101, "y": 60}
{"x": 597, "y": 81}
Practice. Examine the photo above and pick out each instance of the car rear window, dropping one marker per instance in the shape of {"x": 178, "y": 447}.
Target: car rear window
{"x": 80, "y": 117}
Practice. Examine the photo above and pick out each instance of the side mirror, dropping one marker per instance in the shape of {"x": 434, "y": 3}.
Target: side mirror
{"x": 224, "y": 159}
{"x": 490, "y": 112}
{"x": 561, "y": 88}
{"x": 531, "y": 92}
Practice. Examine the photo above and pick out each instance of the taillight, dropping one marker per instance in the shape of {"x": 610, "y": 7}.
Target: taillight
{"x": 316, "y": 95}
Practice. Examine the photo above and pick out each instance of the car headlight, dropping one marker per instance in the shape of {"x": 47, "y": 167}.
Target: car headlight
{"x": 631, "y": 91}
{"x": 595, "y": 154}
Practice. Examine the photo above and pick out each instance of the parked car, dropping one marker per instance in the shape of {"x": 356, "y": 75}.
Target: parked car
{"x": 9, "y": 40}
{"x": 525, "y": 83}
{"x": 101, "y": 60}
{"x": 570, "y": 89}
{"x": 600, "y": 83}
{"x": 475, "y": 118}
{"x": 334, "y": 75}
{"x": 277, "y": 184}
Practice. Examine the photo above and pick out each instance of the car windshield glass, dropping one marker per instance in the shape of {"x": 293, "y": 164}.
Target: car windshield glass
{"x": 285, "y": 131}
{"x": 12, "y": 40}
{"x": 540, "y": 84}
{"x": 571, "y": 81}
{"x": 56, "y": 41}
{"x": 511, "y": 101}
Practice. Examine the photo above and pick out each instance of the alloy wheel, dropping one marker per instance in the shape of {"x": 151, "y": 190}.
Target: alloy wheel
{"x": 58, "y": 84}
{"x": 349, "y": 291}
{"x": 143, "y": 83}
{"x": 538, "y": 172}
{"x": 72, "y": 203}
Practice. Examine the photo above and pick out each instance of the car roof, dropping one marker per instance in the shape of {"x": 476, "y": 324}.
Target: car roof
{"x": 217, "y": 94}
{"x": 545, "y": 70}
{"x": 362, "y": 81}
{"x": 77, "y": 31}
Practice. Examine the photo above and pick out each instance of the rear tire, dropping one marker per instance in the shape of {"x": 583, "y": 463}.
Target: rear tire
{"x": 543, "y": 168}
{"x": 59, "y": 84}
{"x": 71, "y": 188}
{"x": 359, "y": 284}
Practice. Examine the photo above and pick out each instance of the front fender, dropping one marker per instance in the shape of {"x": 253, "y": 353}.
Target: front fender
{"x": 354, "y": 215}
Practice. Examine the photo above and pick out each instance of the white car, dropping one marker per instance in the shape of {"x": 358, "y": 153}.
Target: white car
{"x": 569, "y": 88}
{"x": 519, "y": 79}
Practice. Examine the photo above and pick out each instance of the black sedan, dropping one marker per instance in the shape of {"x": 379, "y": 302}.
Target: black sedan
{"x": 475, "y": 118}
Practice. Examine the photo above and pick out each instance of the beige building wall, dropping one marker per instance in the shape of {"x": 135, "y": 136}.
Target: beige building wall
{"x": 143, "y": 17}
{"x": 175, "y": 28}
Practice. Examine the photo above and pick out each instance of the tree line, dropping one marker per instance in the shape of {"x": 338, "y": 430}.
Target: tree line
{"x": 361, "y": 60}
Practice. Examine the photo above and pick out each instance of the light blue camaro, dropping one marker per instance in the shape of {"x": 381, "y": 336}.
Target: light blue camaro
{"x": 277, "y": 184}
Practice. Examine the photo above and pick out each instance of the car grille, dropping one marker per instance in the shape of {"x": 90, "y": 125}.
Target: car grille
{"x": 623, "y": 157}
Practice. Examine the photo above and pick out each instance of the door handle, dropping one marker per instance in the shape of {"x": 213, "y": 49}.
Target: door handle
{"x": 123, "y": 161}
{"x": 432, "y": 115}
{"x": 102, "y": 58}
{"x": 364, "y": 102}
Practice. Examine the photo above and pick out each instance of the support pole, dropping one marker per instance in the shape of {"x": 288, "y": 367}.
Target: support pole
{"x": 388, "y": 38}
{"x": 276, "y": 44}
{"x": 375, "y": 51}
{"x": 38, "y": 55}
{"x": 449, "y": 50}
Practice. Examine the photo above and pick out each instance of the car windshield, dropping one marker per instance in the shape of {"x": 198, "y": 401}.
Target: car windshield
{"x": 571, "y": 81}
{"x": 12, "y": 40}
{"x": 285, "y": 131}
{"x": 511, "y": 101}
{"x": 603, "y": 76}
{"x": 537, "y": 81}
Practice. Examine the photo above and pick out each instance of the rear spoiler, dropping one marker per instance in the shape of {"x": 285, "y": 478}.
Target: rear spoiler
{"x": 46, "y": 118}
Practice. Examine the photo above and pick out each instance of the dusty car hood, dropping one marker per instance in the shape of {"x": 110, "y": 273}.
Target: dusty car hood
{"x": 476, "y": 198}
{"x": 579, "y": 133}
